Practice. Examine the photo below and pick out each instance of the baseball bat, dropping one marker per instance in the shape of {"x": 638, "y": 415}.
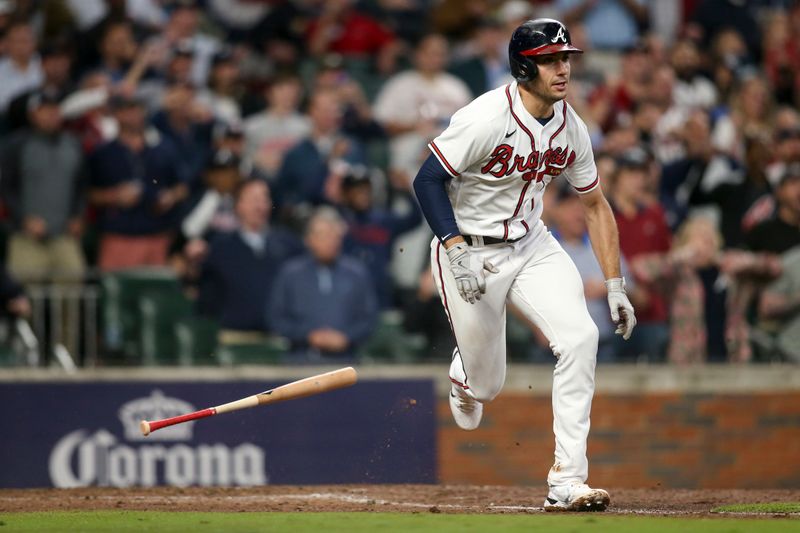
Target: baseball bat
{"x": 344, "y": 377}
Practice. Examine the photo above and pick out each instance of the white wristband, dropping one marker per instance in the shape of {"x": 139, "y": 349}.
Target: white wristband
{"x": 615, "y": 285}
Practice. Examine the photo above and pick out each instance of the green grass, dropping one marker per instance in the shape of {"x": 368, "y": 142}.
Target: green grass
{"x": 124, "y": 521}
{"x": 767, "y": 508}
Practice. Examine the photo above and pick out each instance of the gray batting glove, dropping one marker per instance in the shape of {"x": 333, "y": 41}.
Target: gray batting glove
{"x": 621, "y": 307}
{"x": 468, "y": 269}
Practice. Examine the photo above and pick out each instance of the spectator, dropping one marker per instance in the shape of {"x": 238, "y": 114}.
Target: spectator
{"x": 786, "y": 143}
{"x": 272, "y": 132}
{"x": 56, "y": 64}
{"x": 21, "y": 68}
{"x": 43, "y": 188}
{"x": 415, "y": 106}
{"x": 183, "y": 28}
{"x": 343, "y": 29}
{"x": 690, "y": 182}
{"x": 230, "y": 137}
{"x": 211, "y": 215}
{"x": 692, "y": 88}
{"x": 572, "y": 233}
{"x": 611, "y": 24}
{"x": 781, "y": 232}
{"x": 239, "y": 273}
{"x": 779, "y": 310}
{"x": 188, "y": 124}
{"x": 137, "y": 186}
{"x": 642, "y": 230}
{"x": 691, "y": 276}
{"x": 312, "y": 170}
{"x": 323, "y": 302}
{"x": 734, "y": 198}
{"x": 667, "y": 140}
{"x": 357, "y": 120}
{"x": 372, "y": 231}
{"x": 487, "y": 68}
{"x": 782, "y": 56}
{"x": 224, "y": 90}
{"x": 712, "y": 16}
{"x": 613, "y": 102}
{"x": 750, "y": 114}
{"x": 118, "y": 50}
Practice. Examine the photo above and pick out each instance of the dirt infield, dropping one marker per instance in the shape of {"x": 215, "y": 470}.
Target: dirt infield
{"x": 373, "y": 498}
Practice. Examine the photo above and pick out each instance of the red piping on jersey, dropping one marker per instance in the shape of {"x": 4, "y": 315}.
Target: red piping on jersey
{"x": 519, "y": 122}
{"x": 462, "y": 385}
{"x": 563, "y": 123}
{"x": 444, "y": 160}
{"x": 592, "y": 184}
{"x": 533, "y": 149}
{"x": 525, "y": 224}
{"x": 449, "y": 318}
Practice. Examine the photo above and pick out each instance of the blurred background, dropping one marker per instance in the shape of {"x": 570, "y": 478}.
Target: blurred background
{"x": 227, "y": 182}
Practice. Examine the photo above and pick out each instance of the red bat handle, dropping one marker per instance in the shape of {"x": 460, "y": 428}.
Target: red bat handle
{"x": 148, "y": 427}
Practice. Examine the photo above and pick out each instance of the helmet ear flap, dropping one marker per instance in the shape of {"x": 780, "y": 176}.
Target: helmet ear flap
{"x": 524, "y": 69}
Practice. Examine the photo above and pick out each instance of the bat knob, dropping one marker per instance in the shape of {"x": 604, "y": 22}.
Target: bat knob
{"x": 144, "y": 426}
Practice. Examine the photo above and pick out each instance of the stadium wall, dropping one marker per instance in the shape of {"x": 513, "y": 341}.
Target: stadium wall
{"x": 652, "y": 426}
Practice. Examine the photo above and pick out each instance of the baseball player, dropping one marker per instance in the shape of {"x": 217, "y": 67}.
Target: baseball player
{"x": 481, "y": 192}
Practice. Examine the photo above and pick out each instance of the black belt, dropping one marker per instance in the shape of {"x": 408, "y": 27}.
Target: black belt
{"x": 476, "y": 240}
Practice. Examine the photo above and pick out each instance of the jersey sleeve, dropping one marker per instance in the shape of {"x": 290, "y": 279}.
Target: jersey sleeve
{"x": 466, "y": 140}
{"x": 582, "y": 174}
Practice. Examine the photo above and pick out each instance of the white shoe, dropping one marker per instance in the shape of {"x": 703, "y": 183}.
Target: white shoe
{"x": 467, "y": 411}
{"x": 576, "y": 497}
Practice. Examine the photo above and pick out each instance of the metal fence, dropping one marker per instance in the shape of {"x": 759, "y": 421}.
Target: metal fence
{"x": 64, "y": 319}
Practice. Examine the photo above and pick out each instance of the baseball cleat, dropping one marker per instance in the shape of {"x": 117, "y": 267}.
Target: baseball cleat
{"x": 576, "y": 497}
{"x": 467, "y": 411}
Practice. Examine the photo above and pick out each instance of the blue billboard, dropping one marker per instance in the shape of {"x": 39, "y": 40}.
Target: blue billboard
{"x": 87, "y": 434}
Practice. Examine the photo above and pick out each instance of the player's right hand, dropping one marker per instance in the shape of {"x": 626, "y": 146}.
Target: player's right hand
{"x": 468, "y": 270}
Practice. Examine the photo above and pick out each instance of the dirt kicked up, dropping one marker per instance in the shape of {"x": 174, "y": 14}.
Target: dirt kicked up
{"x": 379, "y": 498}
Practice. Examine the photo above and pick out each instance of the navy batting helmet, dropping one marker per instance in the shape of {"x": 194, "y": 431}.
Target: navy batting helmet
{"x": 536, "y": 38}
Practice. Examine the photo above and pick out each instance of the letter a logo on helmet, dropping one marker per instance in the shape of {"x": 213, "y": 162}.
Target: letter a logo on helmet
{"x": 537, "y": 38}
{"x": 559, "y": 36}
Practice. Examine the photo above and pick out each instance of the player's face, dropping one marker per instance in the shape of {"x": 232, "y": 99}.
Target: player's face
{"x": 551, "y": 83}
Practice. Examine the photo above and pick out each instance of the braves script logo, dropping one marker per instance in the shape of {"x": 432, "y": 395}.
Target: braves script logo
{"x": 503, "y": 162}
{"x": 560, "y": 36}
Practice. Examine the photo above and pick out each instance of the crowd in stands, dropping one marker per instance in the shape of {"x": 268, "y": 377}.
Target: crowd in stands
{"x": 265, "y": 151}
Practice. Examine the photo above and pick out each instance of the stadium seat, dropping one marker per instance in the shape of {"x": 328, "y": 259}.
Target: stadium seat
{"x": 120, "y": 308}
{"x": 391, "y": 343}
{"x": 159, "y": 312}
{"x": 268, "y": 352}
{"x": 196, "y": 339}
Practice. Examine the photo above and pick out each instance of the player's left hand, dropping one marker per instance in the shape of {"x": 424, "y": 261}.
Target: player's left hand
{"x": 469, "y": 270}
{"x": 621, "y": 308}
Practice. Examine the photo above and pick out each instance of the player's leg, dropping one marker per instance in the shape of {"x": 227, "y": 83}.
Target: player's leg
{"x": 549, "y": 291}
{"x": 479, "y": 362}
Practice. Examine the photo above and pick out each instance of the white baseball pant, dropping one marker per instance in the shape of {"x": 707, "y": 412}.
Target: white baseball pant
{"x": 538, "y": 277}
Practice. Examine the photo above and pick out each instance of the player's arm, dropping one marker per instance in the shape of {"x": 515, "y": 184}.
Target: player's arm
{"x": 430, "y": 185}
{"x": 605, "y": 243}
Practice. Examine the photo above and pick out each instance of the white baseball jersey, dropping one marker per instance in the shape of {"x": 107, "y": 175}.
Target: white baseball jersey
{"x": 501, "y": 159}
